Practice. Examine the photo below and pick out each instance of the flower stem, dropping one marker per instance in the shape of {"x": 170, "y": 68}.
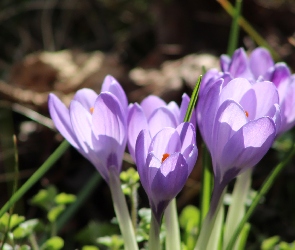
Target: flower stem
{"x": 234, "y": 31}
{"x": 263, "y": 190}
{"x": 206, "y": 188}
{"x": 122, "y": 212}
{"x": 36, "y": 176}
{"x": 172, "y": 227}
{"x": 209, "y": 222}
{"x": 236, "y": 209}
{"x": 154, "y": 239}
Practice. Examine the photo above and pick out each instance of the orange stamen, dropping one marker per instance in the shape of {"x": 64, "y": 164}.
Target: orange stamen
{"x": 246, "y": 113}
{"x": 165, "y": 156}
{"x": 91, "y": 110}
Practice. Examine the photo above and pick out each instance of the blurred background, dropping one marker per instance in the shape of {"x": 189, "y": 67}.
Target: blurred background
{"x": 152, "y": 47}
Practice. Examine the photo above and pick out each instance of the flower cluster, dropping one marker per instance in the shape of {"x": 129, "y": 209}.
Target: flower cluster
{"x": 240, "y": 112}
{"x": 163, "y": 147}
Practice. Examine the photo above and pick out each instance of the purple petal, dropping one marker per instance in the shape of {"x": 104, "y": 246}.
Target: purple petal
{"x": 168, "y": 181}
{"x": 86, "y": 97}
{"x": 235, "y": 90}
{"x": 260, "y": 61}
{"x": 136, "y": 122}
{"x": 108, "y": 118}
{"x": 60, "y": 115}
{"x": 278, "y": 74}
{"x": 239, "y": 66}
{"x": 207, "y": 112}
{"x": 166, "y": 141}
{"x": 266, "y": 100}
{"x": 110, "y": 84}
{"x": 141, "y": 153}
{"x": 150, "y": 104}
{"x": 248, "y": 145}
{"x": 173, "y": 107}
{"x": 230, "y": 118}
{"x": 161, "y": 118}
{"x": 224, "y": 63}
{"x": 81, "y": 122}
{"x": 183, "y": 107}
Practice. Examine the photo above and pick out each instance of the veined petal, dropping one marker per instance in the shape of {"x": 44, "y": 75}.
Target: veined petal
{"x": 278, "y": 74}
{"x": 168, "y": 180}
{"x": 161, "y": 118}
{"x": 208, "y": 111}
{"x": 150, "y": 104}
{"x": 183, "y": 107}
{"x": 239, "y": 66}
{"x": 265, "y": 101}
{"x": 136, "y": 122}
{"x": 110, "y": 84}
{"x": 230, "y": 118}
{"x": 248, "y": 145}
{"x": 86, "y": 97}
{"x": 166, "y": 141}
{"x": 108, "y": 118}
{"x": 60, "y": 115}
{"x": 235, "y": 90}
{"x": 173, "y": 107}
{"x": 141, "y": 153}
{"x": 187, "y": 135}
{"x": 260, "y": 61}
{"x": 81, "y": 122}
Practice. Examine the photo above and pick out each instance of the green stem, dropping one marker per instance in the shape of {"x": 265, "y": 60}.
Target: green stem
{"x": 237, "y": 208}
{"x": 206, "y": 187}
{"x": 134, "y": 203}
{"x": 234, "y": 32}
{"x": 172, "y": 227}
{"x": 36, "y": 176}
{"x": 80, "y": 200}
{"x": 263, "y": 190}
{"x": 215, "y": 238}
{"x": 154, "y": 239}
{"x": 122, "y": 212}
{"x": 209, "y": 222}
{"x": 249, "y": 29}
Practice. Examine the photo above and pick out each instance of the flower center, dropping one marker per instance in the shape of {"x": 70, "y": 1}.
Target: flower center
{"x": 91, "y": 110}
{"x": 246, "y": 113}
{"x": 165, "y": 156}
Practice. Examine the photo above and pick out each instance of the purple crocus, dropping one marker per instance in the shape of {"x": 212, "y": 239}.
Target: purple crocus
{"x": 164, "y": 163}
{"x": 259, "y": 66}
{"x": 238, "y": 121}
{"x": 153, "y": 114}
{"x": 95, "y": 124}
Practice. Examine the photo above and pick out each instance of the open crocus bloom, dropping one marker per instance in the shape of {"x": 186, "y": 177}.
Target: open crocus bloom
{"x": 259, "y": 66}
{"x": 153, "y": 114}
{"x": 238, "y": 121}
{"x": 95, "y": 124}
{"x": 164, "y": 163}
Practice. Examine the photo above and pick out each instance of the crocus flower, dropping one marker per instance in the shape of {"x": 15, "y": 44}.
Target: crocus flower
{"x": 95, "y": 124}
{"x": 238, "y": 121}
{"x": 164, "y": 163}
{"x": 153, "y": 114}
{"x": 259, "y": 66}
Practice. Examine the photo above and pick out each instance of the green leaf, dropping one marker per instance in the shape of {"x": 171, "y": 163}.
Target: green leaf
{"x": 64, "y": 198}
{"x": 90, "y": 248}
{"x": 26, "y": 228}
{"x": 113, "y": 242}
{"x": 189, "y": 222}
{"x": 14, "y": 221}
{"x": 270, "y": 243}
{"x": 284, "y": 246}
{"x": 44, "y": 198}
{"x": 54, "y": 243}
{"x": 55, "y": 212}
